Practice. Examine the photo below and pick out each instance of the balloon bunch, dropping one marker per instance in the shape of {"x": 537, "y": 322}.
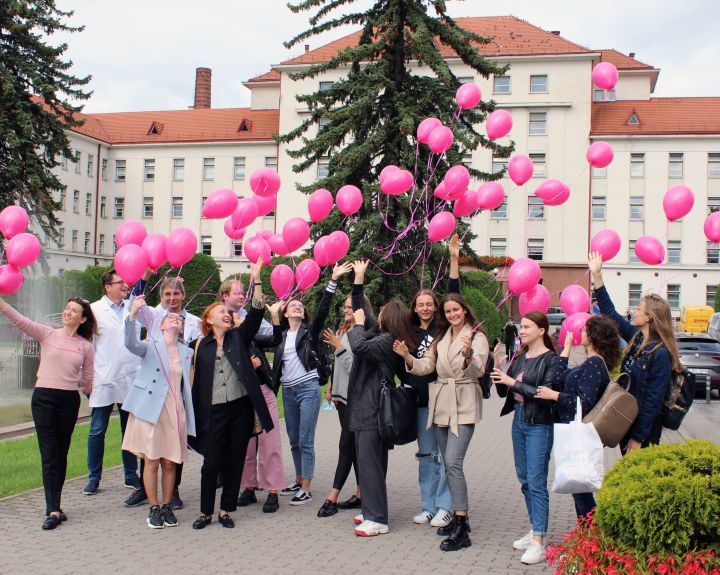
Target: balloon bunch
{"x": 21, "y": 248}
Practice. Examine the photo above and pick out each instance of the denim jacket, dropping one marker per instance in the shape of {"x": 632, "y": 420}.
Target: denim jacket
{"x": 649, "y": 373}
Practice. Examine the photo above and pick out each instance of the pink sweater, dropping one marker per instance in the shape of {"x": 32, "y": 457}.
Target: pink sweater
{"x": 66, "y": 362}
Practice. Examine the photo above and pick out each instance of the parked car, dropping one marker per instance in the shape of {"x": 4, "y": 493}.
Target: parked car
{"x": 700, "y": 353}
{"x": 555, "y": 315}
{"x": 714, "y": 326}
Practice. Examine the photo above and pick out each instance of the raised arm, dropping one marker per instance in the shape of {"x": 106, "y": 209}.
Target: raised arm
{"x": 132, "y": 341}
{"x": 323, "y": 308}
{"x": 34, "y": 330}
{"x": 358, "y": 293}
{"x": 627, "y": 330}
{"x": 454, "y": 275}
{"x": 249, "y": 328}
{"x": 272, "y": 340}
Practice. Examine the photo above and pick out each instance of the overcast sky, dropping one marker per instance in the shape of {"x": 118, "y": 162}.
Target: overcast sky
{"x": 142, "y": 54}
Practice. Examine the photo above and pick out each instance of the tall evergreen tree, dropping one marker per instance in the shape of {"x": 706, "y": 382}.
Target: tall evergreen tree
{"x": 36, "y": 87}
{"x": 396, "y": 77}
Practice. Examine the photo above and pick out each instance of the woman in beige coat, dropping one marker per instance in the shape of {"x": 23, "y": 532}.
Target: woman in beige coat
{"x": 458, "y": 355}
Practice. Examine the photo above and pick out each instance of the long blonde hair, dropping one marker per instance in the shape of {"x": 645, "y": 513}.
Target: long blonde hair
{"x": 660, "y": 327}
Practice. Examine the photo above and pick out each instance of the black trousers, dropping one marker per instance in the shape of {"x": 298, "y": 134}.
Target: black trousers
{"x": 55, "y": 412}
{"x": 178, "y": 472}
{"x": 372, "y": 459}
{"x": 231, "y": 426}
{"x": 347, "y": 457}
{"x": 509, "y": 350}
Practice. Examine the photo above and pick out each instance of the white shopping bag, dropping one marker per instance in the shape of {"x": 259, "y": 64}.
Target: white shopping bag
{"x": 578, "y": 456}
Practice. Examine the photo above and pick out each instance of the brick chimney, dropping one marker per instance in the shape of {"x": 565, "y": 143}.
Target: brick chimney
{"x": 203, "y": 88}
{"x": 631, "y": 54}
{"x": 555, "y": 32}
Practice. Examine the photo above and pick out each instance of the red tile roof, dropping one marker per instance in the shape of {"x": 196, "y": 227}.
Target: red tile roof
{"x": 271, "y": 76}
{"x": 658, "y": 116}
{"x": 623, "y": 62}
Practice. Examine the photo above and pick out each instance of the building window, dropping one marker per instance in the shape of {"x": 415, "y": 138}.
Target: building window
{"x": 467, "y": 160}
{"x": 536, "y": 208}
{"x": 323, "y": 167}
{"x": 114, "y": 246}
{"x": 673, "y": 251}
{"x": 63, "y": 161}
{"x": 713, "y": 253}
{"x": 88, "y": 204}
{"x": 599, "y": 172}
{"x": 499, "y": 164}
{"x": 501, "y": 212}
{"x": 148, "y": 207}
{"x": 237, "y": 248}
{"x": 600, "y": 95}
{"x": 465, "y": 79}
{"x": 675, "y": 166}
{"x": 637, "y": 165}
{"x": 149, "y": 170}
{"x": 178, "y": 169}
{"x": 103, "y": 207}
{"x": 119, "y": 210}
{"x": 322, "y": 122}
{"x": 61, "y": 272}
{"x": 119, "y": 170}
{"x": 538, "y": 123}
{"x": 103, "y": 169}
{"x": 501, "y": 85}
{"x": 538, "y": 161}
{"x": 90, "y": 161}
{"x": 208, "y": 168}
{"x": 62, "y": 199}
{"x": 206, "y": 245}
{"x": 177, "y": 207}
{"x": 271, "y": 162}
{"x": 637, "y": 208}
{"x": 73, "y": 240}
{"x": 239, "y": 168}
{"x": 673, "y": 295}
{"x": 634, "y": 295}
{"x": 101, "y": 244}
{"x": 713, "y": 204}
{"x": 598, "y": 207}
{"x": 632, "y": 256}
{"x": 86, "y": 244}
{"x": 78, "y": 159}
{"x": 76, "y": 201}
{"x": 710, "y": 291}
{"x": 325, "y": 86}
{"x": 713, "y": 165}
{"x": 61, "y": 238}
{"x": 498, "y": 247}
{"x": 535, "y": 248}
{"x": 539, "y": 84}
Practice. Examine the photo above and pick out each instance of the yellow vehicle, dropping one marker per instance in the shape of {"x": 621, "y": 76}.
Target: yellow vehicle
{"x": 695, "y": 318}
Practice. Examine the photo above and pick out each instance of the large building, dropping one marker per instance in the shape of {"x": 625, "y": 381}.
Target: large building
{"x": 158, "y": 166}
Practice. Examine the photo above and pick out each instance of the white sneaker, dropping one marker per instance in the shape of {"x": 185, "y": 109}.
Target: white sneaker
{"x": 371, "y": 529}
{"x": 358, "y": 519}
{"x": 535, "y": 553}
{"x": 422, "y": 517}
{"x": 524, "y": 541}
{"x": 442, "y": 518}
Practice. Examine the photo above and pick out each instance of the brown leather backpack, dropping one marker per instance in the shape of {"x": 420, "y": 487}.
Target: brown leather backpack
{"x": 616, "y": 411}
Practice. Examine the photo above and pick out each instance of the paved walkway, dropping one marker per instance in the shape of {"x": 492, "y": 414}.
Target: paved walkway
{"x": 101, "y": 536}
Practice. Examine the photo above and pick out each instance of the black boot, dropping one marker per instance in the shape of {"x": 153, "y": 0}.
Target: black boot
{"x": 449, "y": 528}
{"x": 460, "y": 537}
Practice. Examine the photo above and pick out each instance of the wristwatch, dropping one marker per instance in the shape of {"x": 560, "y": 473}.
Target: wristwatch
{"x": 469, "y": 354}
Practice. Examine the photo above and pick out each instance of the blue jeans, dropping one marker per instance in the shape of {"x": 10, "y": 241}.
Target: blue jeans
{"x": 434, "y": 491}
{"x": 302, "y": 405}
{"x": 584, "y": 503}
{"x": 99, "y": 420}
{"x": 532, "y": 444}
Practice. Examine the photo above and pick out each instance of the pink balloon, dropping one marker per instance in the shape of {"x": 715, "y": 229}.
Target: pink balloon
{"x": 712, "y": 227}
{"x": 607, "y": 243}
{"x": 678, "y": 202}
{"x": 264, "y": 204}
{"x": 466, "y": 204}
{"x": 265, "y": 182}
{"x": 440, "y": 139}
{"x": 443, "y": 193}
{"x": 490, "y": 196}
{"x": 181, "y": 246}
{"x": 349, "y": 199}
{"x": 498, "y": 124}
{"x": 130, "y": 232}
{"x": 600, "y": 154}
{"x": 553, "y": 192}
{"x": 386, "y": 171}
{"x": 130, "y": 263}
{"x": 520, "y": 169}
{"x": 22, "y": 250}
{"x": 265, "y": 234}
{"x": 245, "y": 213}
{"x": 426, "y": 127}
{"x": 296, "y": 232}
{"x": 605, "y": 75}
{"x": 574, "y": 299}
{"x": 338, "y": 244}
{"x": 456, "y": 181}
{"x": 320, "y": 204}
{"x": 397, "y": 182}
{"x": 232, "y": 232}
{"x": 307, "y": 273}
{"x": 255, "y": 248}
{"x": 573, "y": 324}
{"x": 155, "y": 247}
{"x": 13, "y": 220}
{"x": 11, "y": 279}
{"x": 523, "y": 275}
{"x": 282, "y": 280}
{"x": 320, "y": 251}
{"x": 537, "y": 298}
{"x": 277, "y": 245}
{"x": 441, "y": 226}
{"x": 468, "y": 96}
{"x": 650, "y": 250}
{"x": 220, "y": 204}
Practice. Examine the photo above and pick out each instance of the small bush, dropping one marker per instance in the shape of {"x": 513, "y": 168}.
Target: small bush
{"x": 485, "y": 311}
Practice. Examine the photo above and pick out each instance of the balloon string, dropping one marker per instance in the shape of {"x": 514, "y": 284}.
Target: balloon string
{"x": 217, "y": 267}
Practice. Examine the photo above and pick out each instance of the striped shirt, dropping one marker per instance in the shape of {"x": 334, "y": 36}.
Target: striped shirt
{"x": 293, "y": 372}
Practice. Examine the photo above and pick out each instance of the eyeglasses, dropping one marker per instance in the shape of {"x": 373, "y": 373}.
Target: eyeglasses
{"x": 118, "y": 282}
{"x": 296, "y": 306}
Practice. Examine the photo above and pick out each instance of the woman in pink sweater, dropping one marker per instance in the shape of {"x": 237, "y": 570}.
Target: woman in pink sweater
{"x": 66, "y": 365}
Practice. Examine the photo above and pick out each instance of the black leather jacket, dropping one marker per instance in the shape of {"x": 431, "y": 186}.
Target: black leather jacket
{"x": 537, "y": 371}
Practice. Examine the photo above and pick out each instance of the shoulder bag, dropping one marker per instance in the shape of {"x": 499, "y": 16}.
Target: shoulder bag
{"x": 615, "y": 413}
{"x": 397, "y": 413}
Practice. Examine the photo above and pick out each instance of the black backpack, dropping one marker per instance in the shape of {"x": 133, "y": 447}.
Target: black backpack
{"x": 679, "y": 398}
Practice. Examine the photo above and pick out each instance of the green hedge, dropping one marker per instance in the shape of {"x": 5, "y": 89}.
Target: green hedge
{"x": 664, "y": 499}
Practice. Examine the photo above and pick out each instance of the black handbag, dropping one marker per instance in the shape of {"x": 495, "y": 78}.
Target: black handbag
{"x": 397, "y": 413}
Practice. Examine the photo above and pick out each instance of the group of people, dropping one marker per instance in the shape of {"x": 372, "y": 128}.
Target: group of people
{"x": 206, "y": 382}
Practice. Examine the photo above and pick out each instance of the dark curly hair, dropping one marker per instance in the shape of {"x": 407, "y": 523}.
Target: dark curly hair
{"x": 602, "y": 332}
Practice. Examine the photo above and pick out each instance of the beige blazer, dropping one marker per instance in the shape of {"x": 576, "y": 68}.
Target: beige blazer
{"x": 455, "y": 397}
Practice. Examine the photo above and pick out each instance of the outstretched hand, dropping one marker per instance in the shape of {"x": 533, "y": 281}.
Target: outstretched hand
{"x": 401, "y": 348}
{"x": 255, "y": 271}
{"x": 360, "y": 267}
{"x": 332, "y": 338}
{"x": 454, "y": 246}
{"x": 340, "y": 270}
{"x": 595, "y": 262}
{"x": 137, "y": 304}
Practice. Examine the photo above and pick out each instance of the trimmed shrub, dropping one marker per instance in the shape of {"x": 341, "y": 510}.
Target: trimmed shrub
{"x": 485, "y": 311}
